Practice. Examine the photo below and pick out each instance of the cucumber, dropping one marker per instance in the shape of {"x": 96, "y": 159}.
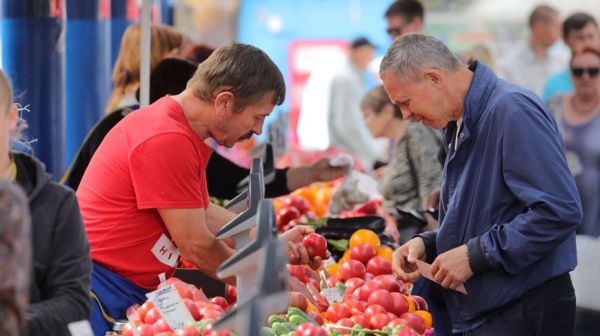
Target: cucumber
{"x": 280, "y": 328}
{"x": 266, "y": 331}
{"x": 275, "y": 318}
{"x": 297, "y": 311}
{"x": 297, "y": 320}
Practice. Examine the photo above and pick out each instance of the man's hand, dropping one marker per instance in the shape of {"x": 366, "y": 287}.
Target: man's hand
{"x": 405, "y": 258}
{"x": 451, "y": 269}
{"x": 297, "y": 253}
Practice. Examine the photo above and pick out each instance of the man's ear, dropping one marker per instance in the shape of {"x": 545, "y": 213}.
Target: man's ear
{"x": 224, "y": 103}
{"x": 434, "y": 76}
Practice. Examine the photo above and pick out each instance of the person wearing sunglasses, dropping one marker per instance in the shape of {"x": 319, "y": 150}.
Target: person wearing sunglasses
{"x": 578, "y": 118}
{"x": 403, "y": 17}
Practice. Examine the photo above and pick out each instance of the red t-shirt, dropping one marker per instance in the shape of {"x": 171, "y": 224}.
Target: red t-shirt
{"x": 150, "y": 160}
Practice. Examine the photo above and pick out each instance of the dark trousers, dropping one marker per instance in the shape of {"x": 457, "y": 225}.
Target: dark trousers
{"x": 548, "y": 309}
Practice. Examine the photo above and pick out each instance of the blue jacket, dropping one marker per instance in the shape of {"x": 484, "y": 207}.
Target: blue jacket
{"x": 507, "y": 193}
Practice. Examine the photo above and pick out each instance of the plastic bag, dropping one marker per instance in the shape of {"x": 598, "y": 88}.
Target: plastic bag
{"x": 356, "y": 189}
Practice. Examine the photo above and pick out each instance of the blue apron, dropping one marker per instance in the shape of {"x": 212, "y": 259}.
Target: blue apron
{"x": 111, "y": 295}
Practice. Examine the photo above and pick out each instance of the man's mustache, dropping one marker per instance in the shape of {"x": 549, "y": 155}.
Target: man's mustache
{"x": 246, "y": 136}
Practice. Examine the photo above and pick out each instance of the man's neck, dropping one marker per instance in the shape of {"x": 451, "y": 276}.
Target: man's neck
{"x": 196, "y": 111}
{"x": 5, "y": 168}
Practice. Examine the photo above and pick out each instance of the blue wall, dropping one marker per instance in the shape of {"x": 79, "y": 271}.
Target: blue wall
{"x": 310, "y": 19}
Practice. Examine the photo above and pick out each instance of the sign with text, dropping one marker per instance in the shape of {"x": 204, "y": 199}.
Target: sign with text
{"x": 171, "y": 307}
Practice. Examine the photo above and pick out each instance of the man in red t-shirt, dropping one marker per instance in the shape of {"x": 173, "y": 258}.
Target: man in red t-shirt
{"x": 143, "y": 196}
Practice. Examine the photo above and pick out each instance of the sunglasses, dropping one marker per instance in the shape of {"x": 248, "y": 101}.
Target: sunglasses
{"x": 578, "y": 72}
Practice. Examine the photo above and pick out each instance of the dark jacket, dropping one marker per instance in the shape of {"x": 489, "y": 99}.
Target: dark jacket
{"x": 508, "y": 194}
{"x": 59, "y": 292}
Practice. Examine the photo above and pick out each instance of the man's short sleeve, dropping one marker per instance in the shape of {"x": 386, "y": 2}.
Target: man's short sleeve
{"x": 167, "y": 172}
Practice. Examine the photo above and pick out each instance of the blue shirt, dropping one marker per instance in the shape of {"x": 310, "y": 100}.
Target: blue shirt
{"x": 508, "y": 194}
{"x": 558, "y": 84}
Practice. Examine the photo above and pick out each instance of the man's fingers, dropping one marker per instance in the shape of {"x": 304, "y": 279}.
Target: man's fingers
{"x": 292, "y": 253}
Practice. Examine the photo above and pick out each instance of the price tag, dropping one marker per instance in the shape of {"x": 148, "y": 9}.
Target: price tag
{"x": 80, "y": 328}
{"x": 332, "y": 295}
{"x": 171, "y": 307}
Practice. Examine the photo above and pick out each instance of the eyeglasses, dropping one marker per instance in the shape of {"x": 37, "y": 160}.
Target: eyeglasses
{"x": 578, "y": 72}
{"x": 393, "y": 31}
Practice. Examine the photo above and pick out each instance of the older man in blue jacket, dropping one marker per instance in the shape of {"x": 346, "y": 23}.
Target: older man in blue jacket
{"x": 509, "y": 207}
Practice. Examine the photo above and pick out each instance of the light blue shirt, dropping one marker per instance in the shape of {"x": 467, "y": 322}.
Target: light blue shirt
{"x": 558, "y": 84}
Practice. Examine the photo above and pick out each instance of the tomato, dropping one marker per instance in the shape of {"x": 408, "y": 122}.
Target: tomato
{"x": 231, "y": 294}
{"x": 314, "y": 282}
{"x": 407, "y": 331}
{"x": 332, "y": 281}
{"x": 198, "y": 295}
{"x": 337, "y": 311}
{"x": 392, "y": 316}
{"x": 374, "y": 310}
{"x": 316, "y": 317}
{"x": 364, "y": 236}
{"x": 145, "y": 330}
{"x": 161, "y": 326}
{"x": 379, "y": 321}
{"x": 219, "y": 300}
{"x": 352, "y": 269}
{"x": 316, "y": 245}
{"x": 383, "y": 298}
{"x": 345, "y": 322}
{"x": 414, "y": 321}
{"x": 362, "y": 252}
{"x": 144, "y": 309}
{"x": 219, "y": 333}
{"x": 420, "y": 303}
{"x": 353, "y": 284}
{"x": 362, "y": 320}
{"x": 297, "y": 202}
{"x": 184, "y": 291}
{"x": 378, "y": 266}
{"x": 152, "y": 316}
{"x": 355, "y": 306}
{"x": 365, "y": 291}
{"x": 309, "y": 329}
{"x": 369, "y": 208}
{"x": 396, "y": 322}
{"x": 285, "y": 215}
{"x": 188, "y": 331}
{"x": 297, "y": 271}
{"x": 400, "y": 304}
{"x": 191, "y": 306}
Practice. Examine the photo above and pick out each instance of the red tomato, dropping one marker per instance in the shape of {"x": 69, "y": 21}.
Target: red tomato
{"x": 145, "y": 330}
{"x": 383, "y": 298}
{"x": 419, "y": 302}
{"x": 355, "y": 307}
{"x": 396, "y": 322}
{"x": 407, "y": 331}
{"x": 297, "y": 271}
{"x": 388, "y": 282}
{"x": 191, "y": 306}
{"x": 161, "y": 326}
{"x": 414, "y": 321}
{"x": 374, "y": 310}
{"x": 363, "y": 320}
{"x": 316, "y": 245}
{"x": 287, "y": 214}
{"x": 362, "y": 252}
{"x": 184, "y": 291}
{"x": 345, "y": 322}
{"x": 392, "y": 316}
{"x": 365, "y": 291}
{"x": 379, "y": 321}
{"x": 152, "y": 316}
{"x": 351, "y": 269}
{"x": 369, "y": 208}
{"x": 353, "y": 284}
{"x": 220, "y": 333}
{"x": 297, "y": 202}
{"x": 378, "y": 265}
{"x": 400, "y": 304}
{"x": 219, "y": 300}
{"x": 309, "y": 329}
{"x": 337, "y": 311}
{"x": 231, "y": 294}
{"x": 315, "y": 316}
{"x": 332, "y": 281}
{"x": 314, "y": 282}
{"x": 144, "y": 309}
{"x": 188, "y": 331}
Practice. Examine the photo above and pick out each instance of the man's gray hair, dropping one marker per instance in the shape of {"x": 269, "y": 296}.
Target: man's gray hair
{"x": 411, "y": 53}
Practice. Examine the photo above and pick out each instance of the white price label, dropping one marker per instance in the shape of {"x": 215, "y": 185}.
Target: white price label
{"x": 328, "y": 262}
{"x": 171, "y": 307}
{"x": 332, "y": 295}
{"x": 80, "y": 328}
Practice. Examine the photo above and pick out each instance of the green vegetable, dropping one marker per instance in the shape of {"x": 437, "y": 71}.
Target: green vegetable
{"x": 317, "y": 223}
{"x": 339, "y": 244}
{"x": 280, "y": 328}
{"x": 297, "y": 320}
{"x": 297, "y": 311}
{"x": 266, "y": 331}
{"x": 275, "y": 318}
